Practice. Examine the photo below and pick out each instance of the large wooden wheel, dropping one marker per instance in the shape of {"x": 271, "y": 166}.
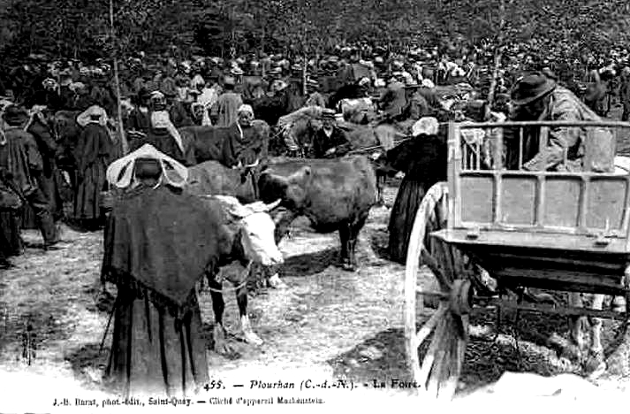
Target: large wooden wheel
{"x": 449, "y": 286}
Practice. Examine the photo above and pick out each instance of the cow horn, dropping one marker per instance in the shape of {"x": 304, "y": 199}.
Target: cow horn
{"x": 233, "y": 206}
{"x": 254, "y": 164}
{"x": 256, "y": 207}
{"x": 273, "y": 205}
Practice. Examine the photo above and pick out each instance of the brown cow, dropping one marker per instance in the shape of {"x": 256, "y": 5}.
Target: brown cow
{"x": 205, "y": 143}
{"x": 335, "y": 194}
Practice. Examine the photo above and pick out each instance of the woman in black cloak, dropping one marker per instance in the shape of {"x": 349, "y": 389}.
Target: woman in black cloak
{"x": 423, "y": 160}
{"x": 158, "y": 244}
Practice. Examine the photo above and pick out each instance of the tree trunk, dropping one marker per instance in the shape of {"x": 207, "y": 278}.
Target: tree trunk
{"x": 304, "y": 74}
{"x": 498, "y": 54}
{"x": 121, "y": 129}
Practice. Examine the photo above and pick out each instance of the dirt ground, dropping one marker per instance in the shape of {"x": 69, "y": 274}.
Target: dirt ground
{"x": 328, "y": 324}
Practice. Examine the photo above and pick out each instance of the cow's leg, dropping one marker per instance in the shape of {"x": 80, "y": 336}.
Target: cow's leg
{"x": 344, "y": 238}
{"x": 218, "y": 306}
{"x": 282, "y": 220}
{"x": 248, "y": 332}
{"x": 576, "y": 324}
{"x": 355, "y": 229}
{"x": 596, "y": 357}
{"x": 380, "y": 184}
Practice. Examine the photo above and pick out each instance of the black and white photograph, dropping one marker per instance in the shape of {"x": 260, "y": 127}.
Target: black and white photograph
{"x": 281, "y": 205}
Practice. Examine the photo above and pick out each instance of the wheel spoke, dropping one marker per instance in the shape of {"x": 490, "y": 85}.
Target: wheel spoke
{"x": 430, "y": 324}
{"x": 433, "y": 265}
{"x": 465, "y": 327}
{"x": 430, "y": 357}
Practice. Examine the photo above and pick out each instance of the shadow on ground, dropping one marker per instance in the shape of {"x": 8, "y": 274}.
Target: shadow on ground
{"x": 379, "y": 243}
{"x": 88, "y": 364}
{"x": 310, "y": 263}
{"x": 381, "y": 358}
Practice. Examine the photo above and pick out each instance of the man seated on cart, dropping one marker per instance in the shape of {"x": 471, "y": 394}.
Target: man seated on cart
{"x": 536, "y": 97}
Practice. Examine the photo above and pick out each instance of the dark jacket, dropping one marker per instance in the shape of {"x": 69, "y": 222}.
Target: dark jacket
{"x": 323, "y": 143}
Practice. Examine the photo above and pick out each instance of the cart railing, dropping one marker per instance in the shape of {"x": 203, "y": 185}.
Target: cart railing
{"x": 491, "y": 188}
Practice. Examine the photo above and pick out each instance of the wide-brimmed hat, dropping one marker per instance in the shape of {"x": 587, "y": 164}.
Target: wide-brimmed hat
{"x": 531, "y": 88}
{"x": 14, "y": 115}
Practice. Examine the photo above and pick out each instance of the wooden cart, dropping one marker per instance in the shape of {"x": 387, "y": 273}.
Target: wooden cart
{"x": 565, "y": 231}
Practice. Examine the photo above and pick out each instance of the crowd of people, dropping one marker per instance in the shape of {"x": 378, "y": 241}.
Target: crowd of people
{"x": 41, "y": 159}
{"x": 40, "y": 155}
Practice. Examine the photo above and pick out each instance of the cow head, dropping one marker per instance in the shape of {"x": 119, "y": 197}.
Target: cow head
{"x": 256, "y": 229}
{"x": 292, "y": 189}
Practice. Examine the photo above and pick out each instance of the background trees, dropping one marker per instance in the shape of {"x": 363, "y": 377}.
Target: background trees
{"x": 80, "y": 28}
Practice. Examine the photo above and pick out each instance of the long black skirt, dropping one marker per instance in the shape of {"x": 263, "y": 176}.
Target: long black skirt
{"x": 10, "y": 240}
{"x": 87, "y": 202}
{"x": 403, "y": 214}
{"x": 154, "y": 353}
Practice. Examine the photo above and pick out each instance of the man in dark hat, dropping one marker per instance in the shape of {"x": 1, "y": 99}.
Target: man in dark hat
{"x": 330, "y": 141}
{"x": 22, "y": 164}
{"x": 315, "y": 98}
{"x": 538, "y": 98}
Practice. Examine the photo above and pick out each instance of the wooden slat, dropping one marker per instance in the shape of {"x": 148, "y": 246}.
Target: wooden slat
{"x": 554, "y": 174}
{"x": 533, "y": 240}
{"x": 432, "y": 294}
{"x": 571, "y": 279}
{"x": 567, "y": 311}
{"x": 496, "y": 198}
{"x": 583, "y": 124}
{"x": 498, "y": 149}
{"x": 520, "y": 148}
{"x": 563, "y": 262}
{"x": 454, "y": 179}
{"x": 582, "y": 209}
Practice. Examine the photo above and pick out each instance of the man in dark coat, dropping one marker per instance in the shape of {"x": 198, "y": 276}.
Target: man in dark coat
{"x": 393, "y": 101}
{"x": 50, "y": 179}
{"x": 537, "y": 97}
{"x": 330, "y": 141}
{"x": 22, "y": 162}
